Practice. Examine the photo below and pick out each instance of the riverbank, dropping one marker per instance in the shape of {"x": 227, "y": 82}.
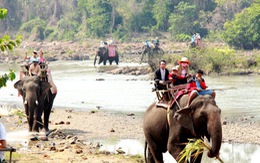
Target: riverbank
{"x": 77, "y": 134}
{"x": 223, "y": 61}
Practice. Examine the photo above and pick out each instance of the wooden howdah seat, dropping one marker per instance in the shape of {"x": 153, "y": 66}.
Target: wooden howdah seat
{"x": 43, "y": 68}
{"x": 165, "y": 97}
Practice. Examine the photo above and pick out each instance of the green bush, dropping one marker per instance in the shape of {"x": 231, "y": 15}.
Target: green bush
{"x": 182, "y": 37}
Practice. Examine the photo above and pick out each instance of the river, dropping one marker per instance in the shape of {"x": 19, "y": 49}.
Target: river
{"x": 78, "y": 88}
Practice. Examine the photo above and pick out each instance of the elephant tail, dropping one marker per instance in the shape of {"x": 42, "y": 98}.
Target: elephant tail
{"x": 145, "y": 151}
{"x": 95, "y": 59}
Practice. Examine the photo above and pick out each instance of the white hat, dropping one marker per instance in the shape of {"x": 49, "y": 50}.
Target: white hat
{"x": 35, "y": 51}
{"x": 175, "y": 68}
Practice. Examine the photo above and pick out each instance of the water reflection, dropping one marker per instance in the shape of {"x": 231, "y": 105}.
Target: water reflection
{"x": 229, "y": 152}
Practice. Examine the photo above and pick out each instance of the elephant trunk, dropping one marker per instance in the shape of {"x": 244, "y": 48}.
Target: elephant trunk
{"x": 215, "y": 132}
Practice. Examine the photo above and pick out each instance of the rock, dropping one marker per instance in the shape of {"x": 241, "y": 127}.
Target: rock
{"x": 112, "y": 130}
{"x": 131, "y": 114}
{"x": 100, "y": 79}
{"x": 52, "y": 149}
{"x": 60, "y": 150}
{"x": 73, "y": 140}
{"x": 61, "y": 122}
{"x": 105, "y": 152}
{"x": 79, "y": 151}
{"x": 120, "y": 151}
{"x": 34, "y": 139}
{"x": 67, "y": 123}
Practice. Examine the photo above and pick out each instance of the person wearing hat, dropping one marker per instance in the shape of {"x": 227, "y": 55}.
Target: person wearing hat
{"x": 183, "y": 69}
{"x": 33, "y": 57}
{"x": 34, "y": 69}
{"x": 2, "y": 140}
{"x": 197, "y": 86}
{"x": 175, "y": 77}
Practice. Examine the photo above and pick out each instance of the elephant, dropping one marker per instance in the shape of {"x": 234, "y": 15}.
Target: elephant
{"x": 154, "y": 55}
{"x": 169, "y": 134}
{"x": 37, "y": 99}
{"x": 104, "y": 54}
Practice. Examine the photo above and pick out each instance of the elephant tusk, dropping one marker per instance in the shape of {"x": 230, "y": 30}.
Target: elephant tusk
{"x": 36, "y": 102}
{"x": 25, "y": 102}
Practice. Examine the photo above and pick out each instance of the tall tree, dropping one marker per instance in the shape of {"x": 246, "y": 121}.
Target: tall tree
{"x": 184, "y": 20}
{"x": 98, "y": 17}
{"x": 161, "y": 12}
{"x": 243, "y": 31}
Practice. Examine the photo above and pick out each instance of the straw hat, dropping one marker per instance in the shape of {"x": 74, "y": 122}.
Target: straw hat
{"x": 184, "y": 60}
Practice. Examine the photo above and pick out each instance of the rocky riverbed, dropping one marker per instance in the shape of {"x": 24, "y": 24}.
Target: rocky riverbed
{"x": 74, "y": 134}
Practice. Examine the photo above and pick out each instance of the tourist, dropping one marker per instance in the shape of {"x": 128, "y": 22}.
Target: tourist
{"x": 197, "y": 86}
{"x": 161, "y": 76}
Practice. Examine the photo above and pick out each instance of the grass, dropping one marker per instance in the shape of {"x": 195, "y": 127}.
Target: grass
{"x": 194, "y": 148}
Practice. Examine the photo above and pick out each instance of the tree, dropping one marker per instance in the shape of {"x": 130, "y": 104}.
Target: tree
{"x": 184, "y": 20}
{"x": 243, "y": 31}
{"x": 7, "y": 44}
{"x": 161, "y": 12}
{"x": 98, "y": 16}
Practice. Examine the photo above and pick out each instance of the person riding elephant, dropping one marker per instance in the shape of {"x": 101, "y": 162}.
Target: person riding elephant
{"x": 37, "y": 99}
{"x": 107, "y": 53}
{"x": 169, "y": 129}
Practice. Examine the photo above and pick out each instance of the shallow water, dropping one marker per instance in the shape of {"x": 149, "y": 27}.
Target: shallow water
{"x": 78, "y": 89}
{"x": 229, "y": 153}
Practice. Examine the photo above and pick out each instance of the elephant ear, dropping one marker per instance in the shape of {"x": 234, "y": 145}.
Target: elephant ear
{"x": 184, "y": 118}
{"x": 45, "y": 87}
{"x": 19, "y": 86}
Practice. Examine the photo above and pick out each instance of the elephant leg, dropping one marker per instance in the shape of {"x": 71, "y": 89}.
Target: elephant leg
{"x": 155, "y": 155}
{"x": 110, "y": 61}
{"x": 31, "y": 120}
{"x": 117, "y": 59}
{"x": 150, "y": 157}
{"x": 37, "y": 120}
{"x": 100, "y": 60}
{"x": 47, "y": 111}
{"x": 104, "y": 62}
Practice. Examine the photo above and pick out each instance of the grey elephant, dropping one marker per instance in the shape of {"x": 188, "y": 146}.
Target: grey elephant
{"x": 37, "y": 99}
{"x": 104, "y": 55}
{"x": 202, "y": 119}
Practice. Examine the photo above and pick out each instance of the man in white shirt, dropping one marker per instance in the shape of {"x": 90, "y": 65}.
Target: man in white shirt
{"x": 2, "y": 141}
{"x": 161, "y": 75}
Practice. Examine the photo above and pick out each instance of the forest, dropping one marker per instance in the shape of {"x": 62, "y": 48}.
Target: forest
{"x": 235, "y": 22}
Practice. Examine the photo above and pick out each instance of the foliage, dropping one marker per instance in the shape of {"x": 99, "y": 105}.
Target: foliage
{"x": 77, "y": 20}
{"x": 243, "y": 31}
{"x": 34, "y": 29}
{"x": 182, "y": 37}
{"x": 99, "y": 20}
{"x": 3, "y": 13}
{"x": 183, "y": 20}
{"x": 7, "y": 44}
{"x": 212, "y": 59}
{"x": 4, "y": 78}
{"x": 161, "y": 13}
{"x": 194, "y": 148}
